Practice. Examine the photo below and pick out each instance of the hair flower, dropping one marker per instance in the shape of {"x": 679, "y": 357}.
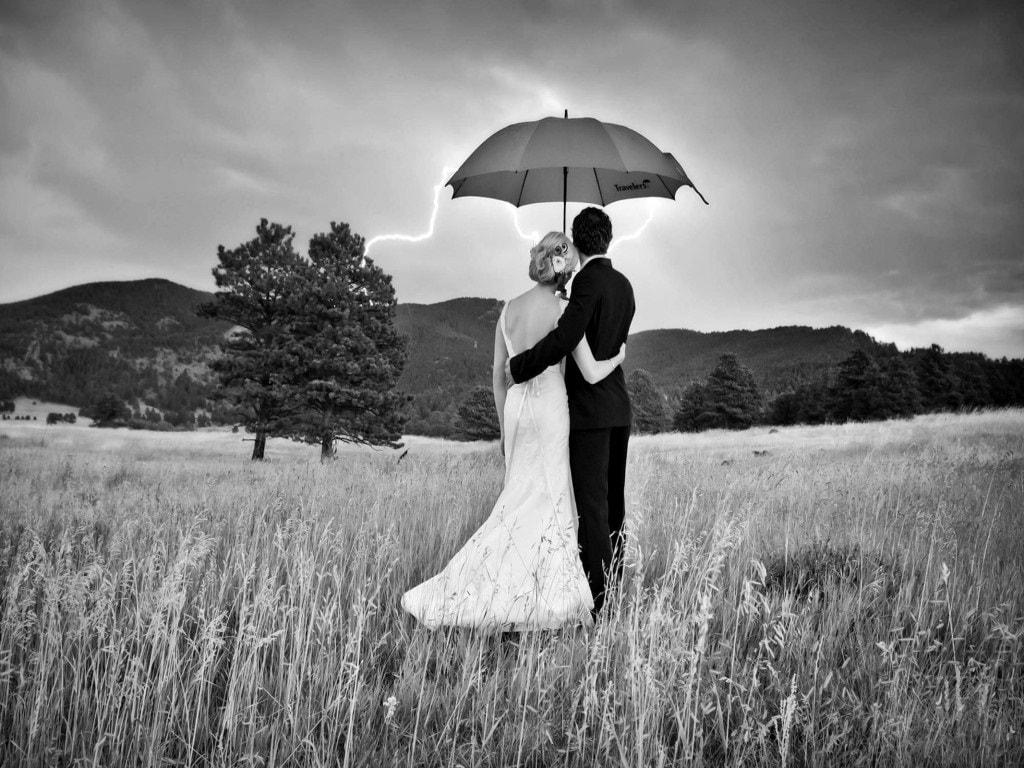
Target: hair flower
{"x": 558, "y": 264}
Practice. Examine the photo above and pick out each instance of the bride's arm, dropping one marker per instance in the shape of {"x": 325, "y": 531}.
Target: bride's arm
{"x": 595, "y": 370}
{"x": 498, "y": 378}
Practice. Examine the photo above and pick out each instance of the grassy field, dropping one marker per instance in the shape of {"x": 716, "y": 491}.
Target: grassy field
{"x": 830, "y": 596}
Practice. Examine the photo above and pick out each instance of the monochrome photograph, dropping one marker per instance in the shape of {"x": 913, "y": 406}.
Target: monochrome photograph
{"x": 511, "y": 384}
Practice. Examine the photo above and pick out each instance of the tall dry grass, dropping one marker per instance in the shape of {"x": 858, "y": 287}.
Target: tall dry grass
{"x": 823, "y": 597}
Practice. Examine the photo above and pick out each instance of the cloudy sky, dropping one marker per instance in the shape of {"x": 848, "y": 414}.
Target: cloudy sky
{"x": 864, "y": 161}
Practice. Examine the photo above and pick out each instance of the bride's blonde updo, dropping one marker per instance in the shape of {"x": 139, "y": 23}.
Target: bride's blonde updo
{"x": 553, "y": 259}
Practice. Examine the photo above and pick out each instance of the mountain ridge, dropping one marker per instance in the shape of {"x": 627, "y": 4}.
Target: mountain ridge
{"x": 143, "y": 338}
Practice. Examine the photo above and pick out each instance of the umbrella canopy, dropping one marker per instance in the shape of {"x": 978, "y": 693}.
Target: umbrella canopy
{"x": 578, "y": 159}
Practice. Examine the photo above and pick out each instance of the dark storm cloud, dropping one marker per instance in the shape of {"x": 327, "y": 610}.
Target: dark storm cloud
{"x": 865, "y": 161}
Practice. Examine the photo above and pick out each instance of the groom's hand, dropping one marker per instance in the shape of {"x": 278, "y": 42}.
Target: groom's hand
{"x": 509, "y": 381}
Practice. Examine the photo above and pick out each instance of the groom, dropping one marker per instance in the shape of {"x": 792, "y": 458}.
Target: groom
{"x": 601, "y": 307}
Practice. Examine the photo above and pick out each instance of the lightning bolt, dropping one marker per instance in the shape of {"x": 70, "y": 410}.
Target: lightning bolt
{"x": 531, "y": 237}
{"x": 445, "y": 173}
{"x": 634, "y": 235}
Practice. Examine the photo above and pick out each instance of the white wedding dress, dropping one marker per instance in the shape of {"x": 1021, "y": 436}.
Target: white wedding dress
{"x": 521, "y": 570}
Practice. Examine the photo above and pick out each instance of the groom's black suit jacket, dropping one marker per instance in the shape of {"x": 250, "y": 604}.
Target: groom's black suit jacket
{"x": 602, "y": 307}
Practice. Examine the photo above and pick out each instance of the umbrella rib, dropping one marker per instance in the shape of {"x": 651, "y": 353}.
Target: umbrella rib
{"x": 671, "y": 194}
{"x": 599, "y": 192}
{"x": 519, "y": 200}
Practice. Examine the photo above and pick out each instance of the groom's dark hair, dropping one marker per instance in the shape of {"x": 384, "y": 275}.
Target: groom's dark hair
{"x": 591, "y": 232}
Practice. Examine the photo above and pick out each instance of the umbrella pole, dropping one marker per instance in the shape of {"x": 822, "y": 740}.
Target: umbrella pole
{"x": 565, "y": 185}
{"x": 565, "y": 195}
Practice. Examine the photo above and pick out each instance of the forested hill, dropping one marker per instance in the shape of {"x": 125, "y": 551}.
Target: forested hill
{"x": 152, "y": 306}
{"x": 450, "y": 342}
{"x": 143, "y": 341}
{"x": 140, "y": 339}
{"x": 779, "y": 358}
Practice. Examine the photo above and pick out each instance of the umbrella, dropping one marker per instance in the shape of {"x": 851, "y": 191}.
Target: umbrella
{"x": 561, "y": 158}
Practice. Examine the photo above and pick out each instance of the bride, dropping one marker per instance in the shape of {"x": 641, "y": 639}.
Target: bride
{"x": 521, "y": 570}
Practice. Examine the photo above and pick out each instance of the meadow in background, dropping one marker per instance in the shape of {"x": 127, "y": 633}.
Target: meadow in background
{"x": 837, "y": 595}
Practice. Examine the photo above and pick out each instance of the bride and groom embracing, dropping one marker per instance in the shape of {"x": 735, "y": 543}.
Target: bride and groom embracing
{"x": 542, "y": 558}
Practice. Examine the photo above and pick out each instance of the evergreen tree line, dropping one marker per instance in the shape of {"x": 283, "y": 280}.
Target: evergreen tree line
{"x": 110, "y": 410}
{"x": 862, "y": 387}
{"x": 930, "y": 380}
{"x": 435, "y": 413}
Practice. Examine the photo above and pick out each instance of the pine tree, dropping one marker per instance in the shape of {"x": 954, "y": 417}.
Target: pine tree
{"x": 1006, "y": 381}
{"x": 344, "y": 353}
{"x": 732, "y": 394}
{"x": 256, "y": 284}
{"x": 477, "y": 417}
{"x": 784, "y": 410}
{"x": 936, "y": 382}
{"x": 973, "y": 385}
{"x": 691, "y": 408}
{"x": 856, "y": 395}
{"x": 809, "y": 403}
{"x": 109, "y": 410}
{"x": 899, "y": 395}
{"x": 649, "y": 414}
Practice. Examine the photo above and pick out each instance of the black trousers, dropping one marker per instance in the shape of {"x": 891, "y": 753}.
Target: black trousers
{"x": 597, "y": 460}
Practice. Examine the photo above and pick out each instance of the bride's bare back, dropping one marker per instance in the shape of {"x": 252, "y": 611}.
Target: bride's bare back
{"x": 530, "y": 316}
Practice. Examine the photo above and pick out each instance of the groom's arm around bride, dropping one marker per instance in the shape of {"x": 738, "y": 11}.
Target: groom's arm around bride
{"x": 601, "y": 308}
